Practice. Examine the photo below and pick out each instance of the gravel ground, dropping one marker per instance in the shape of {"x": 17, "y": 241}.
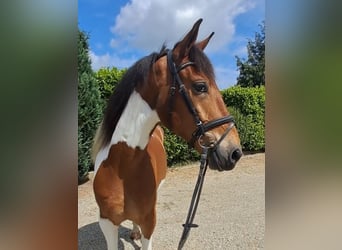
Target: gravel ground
{"x": 230, "y": 214}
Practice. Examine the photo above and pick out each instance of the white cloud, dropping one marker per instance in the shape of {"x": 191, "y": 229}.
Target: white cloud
{"x": 225, "y": 76}
{"x": 146, "y": 24}
{"x": 110, "y": 60}
{"x": 240, "y": 51}
{"x": 143, "y": 25}
{"x": 114, "y": 43}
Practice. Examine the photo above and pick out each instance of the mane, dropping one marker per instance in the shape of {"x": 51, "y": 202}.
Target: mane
{"x": 117, "y": 102}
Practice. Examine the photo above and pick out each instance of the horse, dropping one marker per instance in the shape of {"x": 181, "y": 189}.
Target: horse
{"x": 130, "y": 159}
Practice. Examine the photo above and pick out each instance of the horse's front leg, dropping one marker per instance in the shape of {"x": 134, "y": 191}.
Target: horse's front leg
{"x": 111, "y": 233}
{"x": 147, "y": 228}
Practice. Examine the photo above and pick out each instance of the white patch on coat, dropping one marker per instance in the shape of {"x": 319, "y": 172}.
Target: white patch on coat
{"x": 111, "y": 233}
{"x": 146, "y": 244}
{"x": 136, "y": 123}
{"x": 133, "y": 128}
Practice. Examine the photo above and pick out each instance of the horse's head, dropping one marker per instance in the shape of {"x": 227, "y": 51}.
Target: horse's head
{"x": 190, "y": 104}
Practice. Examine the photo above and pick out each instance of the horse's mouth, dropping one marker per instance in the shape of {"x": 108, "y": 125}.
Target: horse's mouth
{"x": 223, "y": 162}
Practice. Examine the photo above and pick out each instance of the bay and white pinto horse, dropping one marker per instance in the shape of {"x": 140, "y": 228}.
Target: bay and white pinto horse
{"x": 173, "y": 87}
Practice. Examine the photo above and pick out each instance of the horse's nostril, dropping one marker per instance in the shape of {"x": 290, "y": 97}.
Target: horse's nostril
{"x": 236, "y": 155}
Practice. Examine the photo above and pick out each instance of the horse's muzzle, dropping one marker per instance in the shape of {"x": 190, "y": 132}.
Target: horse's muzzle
{"x": 221, "y": 159}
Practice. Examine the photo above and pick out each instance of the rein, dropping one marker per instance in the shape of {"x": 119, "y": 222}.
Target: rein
{"x": 195, "y": 199}
{"x": 196, "y": 135}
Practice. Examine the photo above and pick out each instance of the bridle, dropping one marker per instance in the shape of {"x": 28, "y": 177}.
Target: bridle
{"x": 201, "y": 129}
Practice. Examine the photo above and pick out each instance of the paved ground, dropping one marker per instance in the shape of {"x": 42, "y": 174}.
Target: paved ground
{"x": 230, "y": 215}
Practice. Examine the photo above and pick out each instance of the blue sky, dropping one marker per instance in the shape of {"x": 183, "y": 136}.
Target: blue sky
{"x": 121, "y": 31}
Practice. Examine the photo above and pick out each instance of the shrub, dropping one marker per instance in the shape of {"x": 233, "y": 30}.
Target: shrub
{"x": 177, "y": 149}
{"x": 89, "y": 107}
{"x": 249, "y": 101}
{"x": 107, "y": 79}
{"x": 251, "y": 132}
{"x": 247, "y": 105}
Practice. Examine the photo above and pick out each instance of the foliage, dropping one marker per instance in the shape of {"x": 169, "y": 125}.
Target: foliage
{"x": 252, "y": 133}
{"x": 177, "y": 149}
{"x": 250, "y": 101}
{"x": 247, "y": 105}
{"x": 107, "y": 79}
{"x": 89, "y": 106}
{"x": 252, "y": 70}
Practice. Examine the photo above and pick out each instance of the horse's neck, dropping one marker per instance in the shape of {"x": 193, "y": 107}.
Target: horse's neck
{"x": 136, "y": 123}
{"x": 134, "y": 127}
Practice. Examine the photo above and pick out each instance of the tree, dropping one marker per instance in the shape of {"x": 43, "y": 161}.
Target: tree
{"x": 252, "y": 70}
{"x": 89, "y": 106}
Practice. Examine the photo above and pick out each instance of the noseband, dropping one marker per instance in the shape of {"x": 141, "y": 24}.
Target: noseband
{"x": 196, "y": 135}
{"x": 201, "y": 127}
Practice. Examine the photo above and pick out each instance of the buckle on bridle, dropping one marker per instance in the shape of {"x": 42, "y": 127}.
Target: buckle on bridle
{"x": 200, "y": 126}
{"x": 172, "y": 90}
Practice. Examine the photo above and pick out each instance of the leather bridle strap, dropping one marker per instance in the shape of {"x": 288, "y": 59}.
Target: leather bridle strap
{"x": 211, "y": 125}
{"x": 184, "y": 66}
{"x": 195, "y": 199}
{"x": 177, "y": 82}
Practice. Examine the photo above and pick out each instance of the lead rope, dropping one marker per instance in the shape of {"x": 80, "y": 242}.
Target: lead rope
{"x": 195, "y": 199}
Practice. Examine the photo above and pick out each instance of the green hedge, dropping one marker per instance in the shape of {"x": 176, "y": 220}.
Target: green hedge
{"x": 107, "y": 79}
{"x": 177, "y": 149}
{"x": 247, "y": 105}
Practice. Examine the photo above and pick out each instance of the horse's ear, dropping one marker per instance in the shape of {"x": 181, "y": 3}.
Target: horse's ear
{"x": 183, "y": 47}
{"x": 202, "y": 44}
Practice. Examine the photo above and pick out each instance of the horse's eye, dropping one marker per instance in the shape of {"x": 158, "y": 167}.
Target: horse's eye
{"x": 200, "y": 87}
